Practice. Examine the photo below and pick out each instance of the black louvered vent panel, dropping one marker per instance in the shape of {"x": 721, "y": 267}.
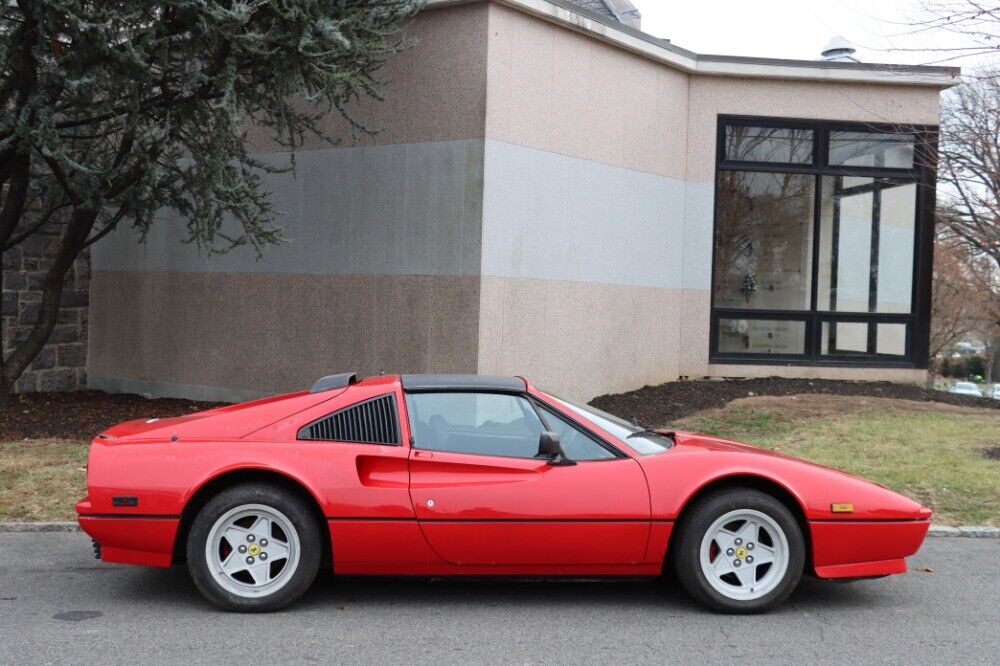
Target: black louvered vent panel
{"x": 369, "y": 422}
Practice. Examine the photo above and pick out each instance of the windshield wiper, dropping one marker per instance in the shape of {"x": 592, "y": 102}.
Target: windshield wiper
{"x": 649, "y": 431}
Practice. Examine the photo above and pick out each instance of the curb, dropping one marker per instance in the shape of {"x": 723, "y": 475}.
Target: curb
{"x": 966, "y": 531}
{"x": 39, "y": 527}
{"x": 971, "y": 531}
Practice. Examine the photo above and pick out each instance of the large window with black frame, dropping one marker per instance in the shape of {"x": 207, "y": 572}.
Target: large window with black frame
{"x": 823, "y": 236}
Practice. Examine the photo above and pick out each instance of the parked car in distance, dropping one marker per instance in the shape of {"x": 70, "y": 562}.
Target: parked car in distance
{"x": 465, "y": 475}
{"x": 966, "y": 388}
{"x": 995, "y": 392}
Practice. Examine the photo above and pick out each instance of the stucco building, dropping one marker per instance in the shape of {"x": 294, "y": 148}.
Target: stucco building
{"x": 556, "y": 194}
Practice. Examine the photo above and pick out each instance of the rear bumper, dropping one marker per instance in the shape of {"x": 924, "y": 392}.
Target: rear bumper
{"x": 131, "y": 539}
{"x": 859, "y": 549}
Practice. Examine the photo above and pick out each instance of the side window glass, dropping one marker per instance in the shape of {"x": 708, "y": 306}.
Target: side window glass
{"x": 576, "y": 444}
{"x": 492, "y": 424}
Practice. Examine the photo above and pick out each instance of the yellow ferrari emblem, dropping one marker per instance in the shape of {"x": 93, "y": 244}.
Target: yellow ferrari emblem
{"x": 741, "y": 552}
{"x": 253, "y": 550}
{"x": 842, "y": 507}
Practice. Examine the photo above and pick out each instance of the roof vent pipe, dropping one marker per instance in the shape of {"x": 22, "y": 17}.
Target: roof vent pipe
{"x": 839, "y": 49}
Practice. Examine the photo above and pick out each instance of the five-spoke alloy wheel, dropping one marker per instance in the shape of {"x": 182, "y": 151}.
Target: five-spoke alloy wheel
{"x": 252, "y": 550}
{"x": 254, "y": 547}
{"x": 744, "y": 554}
{"x": 739, "y": 550}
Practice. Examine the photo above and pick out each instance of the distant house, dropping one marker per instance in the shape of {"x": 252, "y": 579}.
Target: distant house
{"x": 557, "y": 194}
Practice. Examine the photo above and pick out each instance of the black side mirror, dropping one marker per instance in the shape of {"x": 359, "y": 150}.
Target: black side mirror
{"x": 550, "y": 449}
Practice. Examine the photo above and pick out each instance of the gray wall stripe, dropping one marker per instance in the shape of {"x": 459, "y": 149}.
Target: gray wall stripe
{"x": 405, "y": 209}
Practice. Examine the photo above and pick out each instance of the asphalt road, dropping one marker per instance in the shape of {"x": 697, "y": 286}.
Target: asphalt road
{"x": 59, "y": 605}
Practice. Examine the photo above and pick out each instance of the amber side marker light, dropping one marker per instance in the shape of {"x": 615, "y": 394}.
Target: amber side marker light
{"x": 842, "y": 507}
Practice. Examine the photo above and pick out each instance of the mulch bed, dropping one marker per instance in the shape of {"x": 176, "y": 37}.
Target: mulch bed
{"x": 655, "y": 405}
{"x": 83, "y": 414}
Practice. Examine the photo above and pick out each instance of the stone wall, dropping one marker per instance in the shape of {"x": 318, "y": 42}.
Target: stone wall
{"x": 62, "y": 363}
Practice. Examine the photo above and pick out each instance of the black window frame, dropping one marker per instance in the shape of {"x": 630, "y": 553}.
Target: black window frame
{"x": 923, "y": 173}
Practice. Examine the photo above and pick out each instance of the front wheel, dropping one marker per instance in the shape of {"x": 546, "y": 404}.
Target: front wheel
{"x": 254, "y": 547}
{"x": 739, "y": 551}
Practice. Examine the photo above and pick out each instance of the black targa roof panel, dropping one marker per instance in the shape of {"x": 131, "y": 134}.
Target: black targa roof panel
{"x": 414, "y": 383}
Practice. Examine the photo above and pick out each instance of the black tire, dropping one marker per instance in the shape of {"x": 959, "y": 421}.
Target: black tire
{"x": 297, "y": 511}
{"x": 696, "y": 522}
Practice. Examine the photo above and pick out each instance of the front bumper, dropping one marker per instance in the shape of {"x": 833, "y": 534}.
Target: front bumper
{"x": 861, "y": 549}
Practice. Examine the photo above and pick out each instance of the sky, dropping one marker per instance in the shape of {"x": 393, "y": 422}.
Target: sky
{"x": 800, "y": 28}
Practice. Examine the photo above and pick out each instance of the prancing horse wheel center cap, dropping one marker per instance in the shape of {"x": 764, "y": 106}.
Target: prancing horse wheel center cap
{"x": 741, "y": 553}
{"x": 253, "y": 550}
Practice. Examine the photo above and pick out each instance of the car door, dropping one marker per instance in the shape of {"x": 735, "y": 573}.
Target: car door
{"x": 481, "y": 497}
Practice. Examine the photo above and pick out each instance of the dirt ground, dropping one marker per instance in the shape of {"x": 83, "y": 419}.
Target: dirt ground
{"x": 83, "y": 414}
{"x": 666, "y": 403}
{"x": 813, "y": 406}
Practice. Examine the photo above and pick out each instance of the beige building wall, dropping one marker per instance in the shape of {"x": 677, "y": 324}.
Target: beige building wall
{"x": 583, "y": 210}
{"x": 537, "y": 201}
{"x": 560, "y": 91}
{"x": 436, "y": 88}
{"x": 379, "y": 271}
{"x": 596, "y": 115}
{"x": 231, "y": 336}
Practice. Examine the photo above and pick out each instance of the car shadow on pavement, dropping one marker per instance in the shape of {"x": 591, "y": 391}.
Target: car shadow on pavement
{"x": 334, "y": 593}
{"x": 663, "y": 594}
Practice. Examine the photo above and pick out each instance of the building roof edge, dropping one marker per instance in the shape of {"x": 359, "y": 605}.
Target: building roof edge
{"x": 612, "y": 32}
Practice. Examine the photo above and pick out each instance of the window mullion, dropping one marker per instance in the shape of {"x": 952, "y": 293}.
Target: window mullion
{"x": 817, "y": 213}
{"x": 873, "y": 255}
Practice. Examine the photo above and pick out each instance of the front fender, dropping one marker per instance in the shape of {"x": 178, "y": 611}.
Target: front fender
{"x": 677, "y": 475}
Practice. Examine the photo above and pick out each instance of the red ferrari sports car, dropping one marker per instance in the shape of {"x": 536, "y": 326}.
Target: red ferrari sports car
{"x": 473, "y": 475}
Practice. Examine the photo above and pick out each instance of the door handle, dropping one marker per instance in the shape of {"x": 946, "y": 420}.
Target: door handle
{"x": 423, "y": 455}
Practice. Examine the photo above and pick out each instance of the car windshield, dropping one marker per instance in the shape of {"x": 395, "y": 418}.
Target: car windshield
{"x": 642, "y": 439}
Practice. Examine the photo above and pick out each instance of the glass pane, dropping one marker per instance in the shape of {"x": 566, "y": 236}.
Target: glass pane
{"x": 850, "y": 337}
{"x": 769, "y": 144}
{"x": 763, "y": 240}
{"x": 576, "y": 444}
{"x": 871, "y": 149}
{"x": 896, "y": 238}
{"x": 844, "y": 337}
{"x": 761, "y": 336}
{"x": 845, "y": 241}
{"x": 891, "y": 339}
{"x": 645, "y": 443}
{"x": 856, "y": 274}
{"x": 480, "y": 423}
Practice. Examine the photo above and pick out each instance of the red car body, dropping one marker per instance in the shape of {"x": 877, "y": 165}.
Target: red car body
{"x": 400, "y": 510}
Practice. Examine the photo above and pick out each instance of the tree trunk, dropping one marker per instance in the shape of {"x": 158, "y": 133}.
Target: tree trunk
{"x": 5, "y": 391}
{"x": 22, "y": 354}
{"x": 992, "y": 358}
{"x": 933, "y": 370}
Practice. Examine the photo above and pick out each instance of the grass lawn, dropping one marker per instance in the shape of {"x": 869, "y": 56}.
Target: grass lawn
{"x": 933, "y": 453}
{"x": 41, "y": 479}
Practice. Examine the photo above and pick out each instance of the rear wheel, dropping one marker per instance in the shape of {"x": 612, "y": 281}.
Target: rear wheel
{"x": 739, "y": 551}
{"x": 254, "y": 547}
